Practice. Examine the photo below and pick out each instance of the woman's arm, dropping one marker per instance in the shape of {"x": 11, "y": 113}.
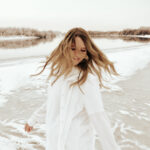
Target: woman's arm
{"x": 101, "y": 123}
{"x": 38, "y": 116}
{"x": 94, "y": 106}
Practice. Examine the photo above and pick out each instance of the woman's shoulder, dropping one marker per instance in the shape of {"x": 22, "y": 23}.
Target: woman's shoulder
{"x": 92, "y": 80}
{"x": 92, "y": 77}
{"x": 91, "y": 85}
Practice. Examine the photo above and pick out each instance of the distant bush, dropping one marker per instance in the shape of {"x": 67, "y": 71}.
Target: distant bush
{"x": 139, "y": 31}
{"x": 26, "y": 32}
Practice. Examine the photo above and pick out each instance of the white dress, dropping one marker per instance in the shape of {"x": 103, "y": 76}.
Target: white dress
{"x": 73, "y": 119}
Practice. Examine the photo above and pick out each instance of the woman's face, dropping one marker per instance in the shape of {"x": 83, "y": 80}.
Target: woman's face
{"x": 78, "y": 51}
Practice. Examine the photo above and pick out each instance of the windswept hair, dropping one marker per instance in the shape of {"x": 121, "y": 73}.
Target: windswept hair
{"x": 61, "y": 63}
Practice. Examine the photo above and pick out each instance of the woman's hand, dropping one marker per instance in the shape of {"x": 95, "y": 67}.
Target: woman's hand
{"x": 28, "y": 128}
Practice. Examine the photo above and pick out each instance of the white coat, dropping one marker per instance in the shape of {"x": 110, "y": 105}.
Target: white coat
{"x": 72, "y": 118}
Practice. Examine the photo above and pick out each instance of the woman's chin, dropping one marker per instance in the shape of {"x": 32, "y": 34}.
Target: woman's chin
{"x": 75, "y": 63}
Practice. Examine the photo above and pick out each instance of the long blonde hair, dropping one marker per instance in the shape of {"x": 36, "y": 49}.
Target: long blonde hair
{"x": 61, "y": 63}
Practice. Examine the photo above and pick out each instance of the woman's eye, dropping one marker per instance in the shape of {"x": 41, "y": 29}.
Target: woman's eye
{"x": 73, "y": 49}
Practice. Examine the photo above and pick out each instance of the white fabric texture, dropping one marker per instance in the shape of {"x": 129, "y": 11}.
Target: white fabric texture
{"x": 73, "y": 118}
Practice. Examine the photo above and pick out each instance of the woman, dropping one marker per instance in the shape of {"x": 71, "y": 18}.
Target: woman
{"x": 74, "y": 107}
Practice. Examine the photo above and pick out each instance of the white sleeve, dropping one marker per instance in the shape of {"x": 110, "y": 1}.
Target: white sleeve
{"x": 102, "y": 126}
{"x": 38, "y": 116}
{"x": 93, "y": 103}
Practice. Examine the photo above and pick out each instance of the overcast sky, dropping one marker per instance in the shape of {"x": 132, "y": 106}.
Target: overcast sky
{"x": 64, "y": 14}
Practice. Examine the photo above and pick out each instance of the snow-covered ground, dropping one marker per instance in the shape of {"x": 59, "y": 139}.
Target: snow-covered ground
{"x": 20, "y": 94}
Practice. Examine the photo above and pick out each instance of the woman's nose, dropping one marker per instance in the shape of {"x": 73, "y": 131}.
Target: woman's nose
{"x": 76, "y": 53}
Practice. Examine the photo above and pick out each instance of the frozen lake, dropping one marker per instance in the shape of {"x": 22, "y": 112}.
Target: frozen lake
{"x": 21, "y": 95}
